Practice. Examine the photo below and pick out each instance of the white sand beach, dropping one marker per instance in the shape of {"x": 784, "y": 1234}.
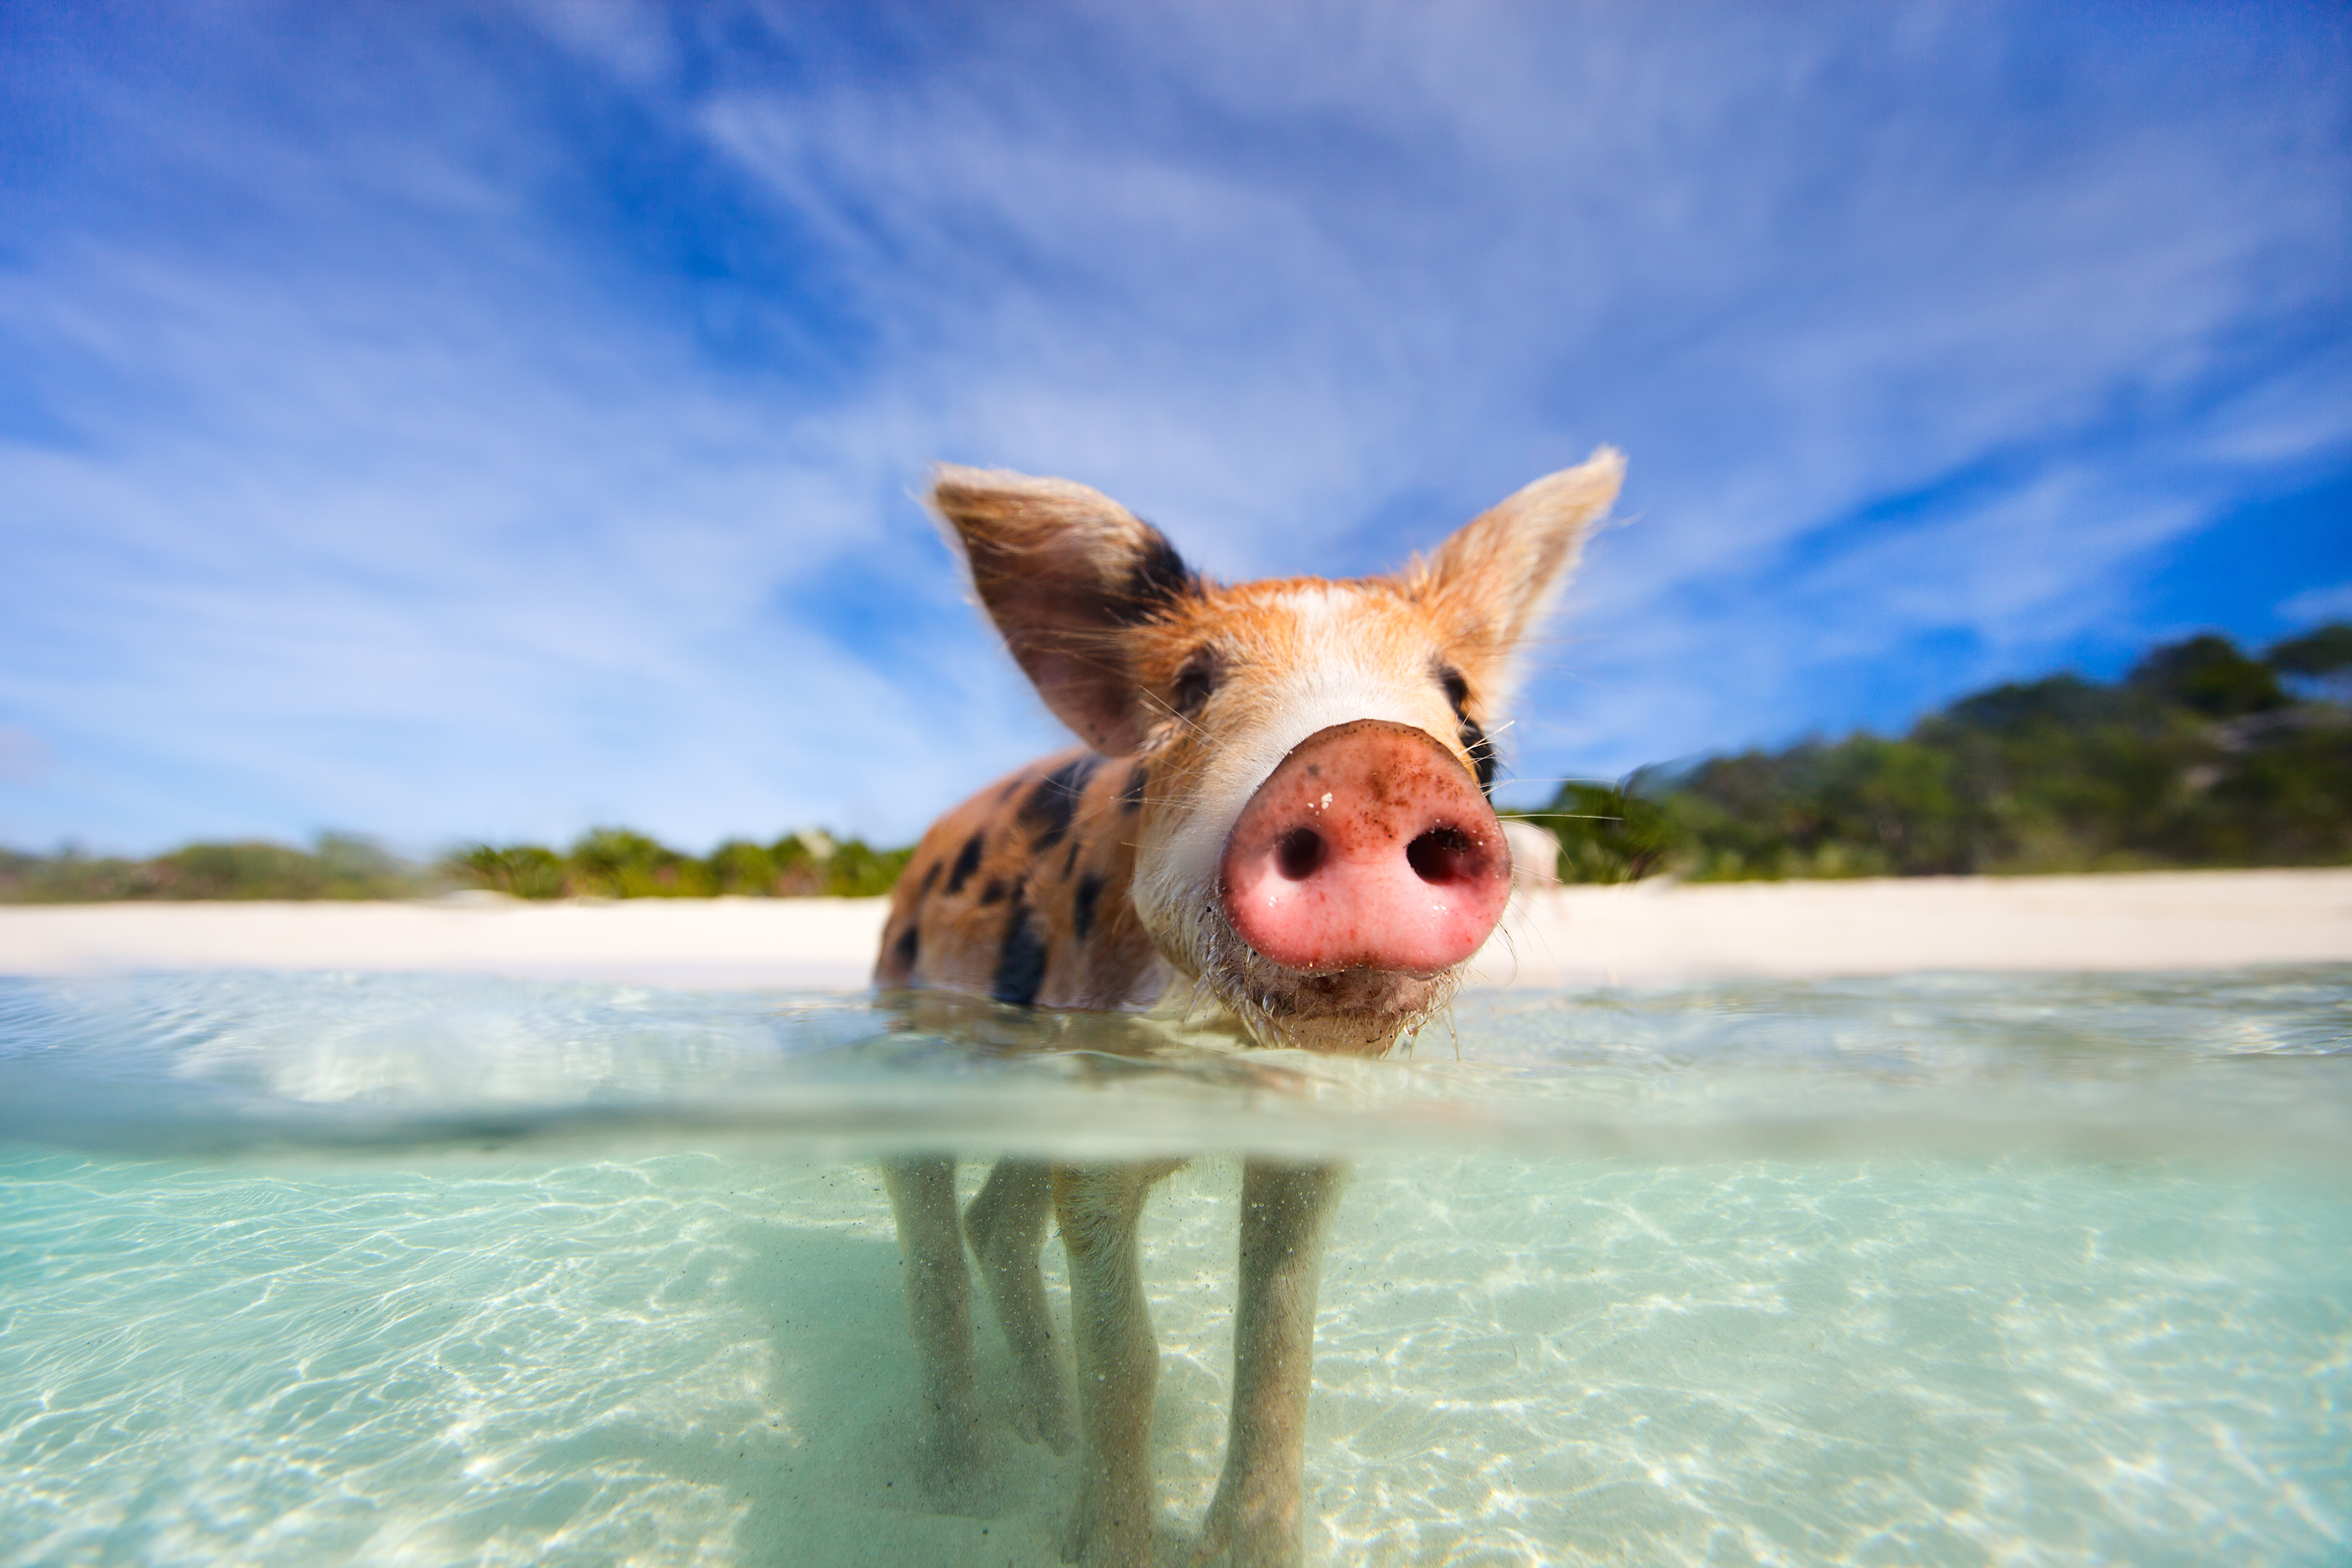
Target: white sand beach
{"x": 1645, "y": 934}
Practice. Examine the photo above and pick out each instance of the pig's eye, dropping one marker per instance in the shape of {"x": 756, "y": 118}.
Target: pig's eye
{"x": 1194, "y": 682}
{"x": 1474, "y": 735}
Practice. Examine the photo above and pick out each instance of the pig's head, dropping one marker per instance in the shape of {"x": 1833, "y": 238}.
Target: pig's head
{"x": 1314, "y": 848}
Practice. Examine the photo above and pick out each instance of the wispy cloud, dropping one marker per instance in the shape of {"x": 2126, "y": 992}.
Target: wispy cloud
{"x": 2332, "y": 602}
{"x": 492, "y": 424}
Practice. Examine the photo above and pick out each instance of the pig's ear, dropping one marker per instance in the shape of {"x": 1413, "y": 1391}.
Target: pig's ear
{"x": 1491, "y": 584}
{"x": 1064, "y": 572}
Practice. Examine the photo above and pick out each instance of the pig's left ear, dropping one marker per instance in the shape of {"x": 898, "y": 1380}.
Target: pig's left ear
{"x": 1490, "y": 584}
{"x": 1064, "y": 572}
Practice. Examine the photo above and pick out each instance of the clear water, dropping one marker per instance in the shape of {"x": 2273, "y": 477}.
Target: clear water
{"x": 2014, "y": 1269}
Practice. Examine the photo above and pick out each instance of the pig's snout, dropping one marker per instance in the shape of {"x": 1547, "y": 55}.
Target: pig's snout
{"x": 1370, "y": 847}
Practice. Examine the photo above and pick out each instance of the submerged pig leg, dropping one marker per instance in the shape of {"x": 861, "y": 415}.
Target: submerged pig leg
{"x": 1006, "y": 1224}
{"x": 1257, "y": 1514}
{"x": 938, "y": 1310}
{"x": 1119, "y": 1364}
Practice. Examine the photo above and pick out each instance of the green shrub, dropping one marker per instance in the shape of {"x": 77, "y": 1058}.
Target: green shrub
{"x": 338, "y": 866}
{"x": 615, "y": 862}
{"x": 1607, "y": 832}
{"x": 522, "y": 871}
{"x": 2199, "y": 756}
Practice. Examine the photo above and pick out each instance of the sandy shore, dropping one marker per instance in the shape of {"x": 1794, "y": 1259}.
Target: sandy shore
{"x": 1658, "y": 933}
{"x": 1644, "y": 935}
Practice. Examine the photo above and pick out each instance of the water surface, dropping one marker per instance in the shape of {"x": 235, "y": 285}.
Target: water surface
{"x": 1987, "y": 1270}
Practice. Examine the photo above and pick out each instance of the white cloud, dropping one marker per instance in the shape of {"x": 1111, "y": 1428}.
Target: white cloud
{"x": 2316, "y": 604}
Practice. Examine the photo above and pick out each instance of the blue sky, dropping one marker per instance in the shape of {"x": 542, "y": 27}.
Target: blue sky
{"x": 489, "y": 421}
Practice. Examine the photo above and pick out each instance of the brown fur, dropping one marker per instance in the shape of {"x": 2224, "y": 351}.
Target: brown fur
{"x": 1035, "y": 868}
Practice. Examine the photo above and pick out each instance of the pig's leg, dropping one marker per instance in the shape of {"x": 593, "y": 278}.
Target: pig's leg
{"x": 1117, "y": 1364}
{"x": 1007, "y": 1224}
{"x": 939, "y": 1309}
{"x": 1256, "y": 1516}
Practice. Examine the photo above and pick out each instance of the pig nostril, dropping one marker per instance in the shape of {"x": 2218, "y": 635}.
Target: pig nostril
{"x": 1444, "y": 854}
{"x": 1298, "y": 852}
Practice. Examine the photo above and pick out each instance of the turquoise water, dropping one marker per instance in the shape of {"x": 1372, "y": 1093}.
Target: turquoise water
{"x": 2015, "y": 1270}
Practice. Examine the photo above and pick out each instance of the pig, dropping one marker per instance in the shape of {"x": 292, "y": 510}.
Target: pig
{"x": 1279, "y": 818}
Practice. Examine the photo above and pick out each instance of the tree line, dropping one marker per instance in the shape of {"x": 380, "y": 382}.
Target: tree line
{"x": 605, "y": 862}
{"x": 613, "y": 863}
{"x": 2202, "y": 755}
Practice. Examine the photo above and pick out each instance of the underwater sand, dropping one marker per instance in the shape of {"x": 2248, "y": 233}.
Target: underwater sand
{"x": 1951, "y": 1270}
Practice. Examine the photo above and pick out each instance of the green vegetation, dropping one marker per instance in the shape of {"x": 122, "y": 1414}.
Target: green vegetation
{"x": 609, "y": 862}
{"x": 337, "y": 866}
{"x": 612, "y": 863}
{"x": 2201, "y": 755}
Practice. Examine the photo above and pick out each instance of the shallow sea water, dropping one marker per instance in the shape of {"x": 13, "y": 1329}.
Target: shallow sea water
{"x": 1942, "y": 1269}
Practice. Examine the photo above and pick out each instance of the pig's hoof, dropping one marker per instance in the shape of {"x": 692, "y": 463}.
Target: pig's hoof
{"x": 1230, "y": 1553}
{"x": 1092, "y": 1542}
{"x": 1228, "y": 1540}
{"x": 1041, "y": 1413}
{"x": 1216, "y": 1543}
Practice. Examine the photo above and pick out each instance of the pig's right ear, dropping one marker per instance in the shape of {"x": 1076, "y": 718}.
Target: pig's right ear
{"x": 1491, "y": 584}
{"x": 1064, "y": 572}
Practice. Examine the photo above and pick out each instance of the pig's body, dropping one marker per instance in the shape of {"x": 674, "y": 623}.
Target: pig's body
{"x": 1021, "y": 894}
{"x": 1280, "y": 817}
